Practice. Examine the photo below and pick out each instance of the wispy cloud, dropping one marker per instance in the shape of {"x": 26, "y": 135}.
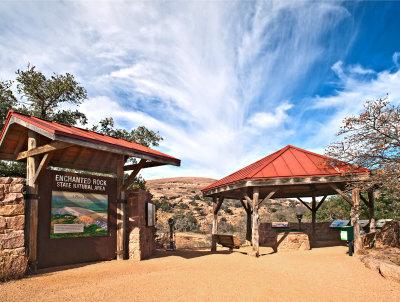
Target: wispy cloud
{"x": 205, "y": 74}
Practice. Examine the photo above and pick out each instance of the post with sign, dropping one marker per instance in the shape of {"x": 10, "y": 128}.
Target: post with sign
{"x": 347, "y": 234}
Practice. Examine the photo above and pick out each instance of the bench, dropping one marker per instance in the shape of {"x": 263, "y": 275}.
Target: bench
{"x": 229, "y": 241}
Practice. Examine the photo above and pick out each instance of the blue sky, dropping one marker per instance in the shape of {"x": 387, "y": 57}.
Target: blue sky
{"x": 225, "y": 83}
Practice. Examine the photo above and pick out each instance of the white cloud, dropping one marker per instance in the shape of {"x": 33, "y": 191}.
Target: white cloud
{"x": 396, "y": 56}
{"x": 196, "y": 71}
{"x": 268, "y": 120}
{"x": 349, "y": 100}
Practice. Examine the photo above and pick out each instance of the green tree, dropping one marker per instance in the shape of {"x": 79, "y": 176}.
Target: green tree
{"x": 140, "y": 135}
{"x": 46, "y": 98}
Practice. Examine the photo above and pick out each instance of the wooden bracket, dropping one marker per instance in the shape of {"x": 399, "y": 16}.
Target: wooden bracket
{"x": 133, "y": 174}
{"x": 42, "y": 166}
{"x": 245, "y": 206}
{"x": 320, "y": 203}
{"x": 341, "y": 193}
{"x": 304, "y": 203}
{"x": 270, "y": 194}
{"x": 217, "y": 205}
{"x": 367, "y": 203}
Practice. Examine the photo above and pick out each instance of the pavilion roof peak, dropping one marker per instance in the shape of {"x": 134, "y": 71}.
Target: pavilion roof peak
{"x": 288, "y": 162}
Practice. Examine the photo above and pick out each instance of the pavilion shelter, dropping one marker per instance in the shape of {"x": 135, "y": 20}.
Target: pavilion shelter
{"x": 290, "y": 172}
{"x": 42, "y": 143}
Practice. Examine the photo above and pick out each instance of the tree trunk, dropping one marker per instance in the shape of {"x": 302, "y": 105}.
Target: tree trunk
{"x": 355, "y": 219}
{"x": 371, "y": 211}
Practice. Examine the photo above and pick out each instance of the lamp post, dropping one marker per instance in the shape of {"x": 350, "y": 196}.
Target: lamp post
{"x": 171, "y": 246}
{"x": 299, "y": 217}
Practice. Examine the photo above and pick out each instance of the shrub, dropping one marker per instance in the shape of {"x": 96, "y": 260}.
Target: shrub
{"x": 185, "y": 223}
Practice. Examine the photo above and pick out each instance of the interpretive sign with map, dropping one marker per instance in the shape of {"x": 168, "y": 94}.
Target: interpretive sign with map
{"x": 75, "y": 214}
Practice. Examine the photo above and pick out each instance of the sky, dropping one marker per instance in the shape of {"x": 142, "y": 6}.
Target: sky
{"x": 224, "y": 82}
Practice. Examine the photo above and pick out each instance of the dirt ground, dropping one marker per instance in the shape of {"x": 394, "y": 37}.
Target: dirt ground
{"x": 322, "y": 274}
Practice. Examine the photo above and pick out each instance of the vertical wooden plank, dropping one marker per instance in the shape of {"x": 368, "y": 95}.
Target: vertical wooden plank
{"x": 371, "y": 211}
{"x": 313, "y": 217}
{"x": 255, "y": 235}
{"x": 32, "y": 201}
{"x": 214, "y": 225}
{"x": 355, "y": 218}
{"x": 121, "y": 210}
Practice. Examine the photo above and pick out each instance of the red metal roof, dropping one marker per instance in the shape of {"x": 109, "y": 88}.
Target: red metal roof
{"x": 85, "y": 135}
{"x": 287, "y": 162}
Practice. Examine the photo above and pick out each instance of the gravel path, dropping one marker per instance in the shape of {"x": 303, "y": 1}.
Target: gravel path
{"x": 322, "y": 274}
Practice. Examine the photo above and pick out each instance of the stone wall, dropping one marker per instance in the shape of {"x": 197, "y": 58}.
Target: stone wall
{"x": 323, "y": 232}
{"x": 140, "y": 238}
{"x": 12, "y": 221}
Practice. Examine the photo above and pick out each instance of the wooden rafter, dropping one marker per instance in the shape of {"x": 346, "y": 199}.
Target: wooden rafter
{"x": 148, "y": 164}
{"x": 304, "y": 203}
{"x": 106, "y": 161}
{"x": 42, "y": 166}
{"x": 341, "y": 193}
{"x": 6, "y": 156}
{"x": 20, "y": 143}
{"x": 133, "y": 174}
{"x": 43, "y": 149}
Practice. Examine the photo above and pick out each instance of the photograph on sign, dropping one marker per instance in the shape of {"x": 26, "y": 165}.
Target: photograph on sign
{"x": 151, "y": 212}
{"x": 76, "y": 214}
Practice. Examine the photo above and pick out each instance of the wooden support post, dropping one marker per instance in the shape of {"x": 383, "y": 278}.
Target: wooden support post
{"x": 371, "y": 211}
{"x": 354, "y": 214}
{"x": 248, "y": 210}
{"x": 121, "y": 210}
{"x": 313, "y": 216}
{"x": 214, "y": 225}
{"x": 255, "y": 235}
{"x": 32, "y": 203}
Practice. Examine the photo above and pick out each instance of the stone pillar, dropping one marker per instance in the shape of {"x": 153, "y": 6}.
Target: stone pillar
{"x": 140, "y": 237}
{"x": 13, "y": 260}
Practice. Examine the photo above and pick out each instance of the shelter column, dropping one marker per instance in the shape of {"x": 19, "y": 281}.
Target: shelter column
{"x": 371, "y": 200}
{"x": 248, "y": 228}
{"x": 313, "y": 215}
{"x": 354, "y": 214}
{"x": 217, "y": 202}
{"x": 255, "y": 234}
{"x": 32, "y": 201}
{"x": 121, "y": 209}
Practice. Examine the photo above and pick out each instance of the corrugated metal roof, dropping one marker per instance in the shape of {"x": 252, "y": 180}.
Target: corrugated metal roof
{"x": 287, "y": 162}
{"x": 85, "y": 135}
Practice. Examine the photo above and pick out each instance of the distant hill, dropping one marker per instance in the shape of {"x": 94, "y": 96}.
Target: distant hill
{"x": 181, "y": 197}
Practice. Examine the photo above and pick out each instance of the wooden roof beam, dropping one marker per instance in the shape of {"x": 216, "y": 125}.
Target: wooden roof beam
{"x": 43, "y": 149}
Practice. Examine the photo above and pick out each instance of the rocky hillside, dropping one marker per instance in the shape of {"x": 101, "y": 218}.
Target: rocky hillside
{"x": 182, "y": 199}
